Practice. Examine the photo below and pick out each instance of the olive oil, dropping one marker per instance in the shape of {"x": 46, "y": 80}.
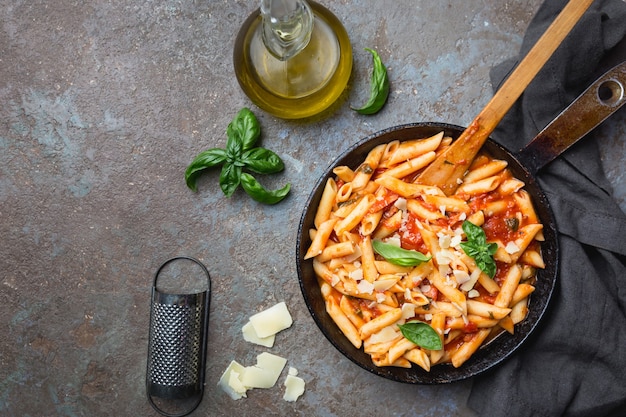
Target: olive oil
{"x": 303, "y": 85}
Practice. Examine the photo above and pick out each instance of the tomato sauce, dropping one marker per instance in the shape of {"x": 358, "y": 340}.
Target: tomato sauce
{"x": 411, "y": 238}
{"x": 369, "y": 306}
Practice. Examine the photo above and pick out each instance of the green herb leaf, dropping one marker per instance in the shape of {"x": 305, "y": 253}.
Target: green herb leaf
{"x": 230, "y": 177}
{"x": 240, "y": 154}
{"x": 206, "y": 159}
{"x": 379, "y": 86}
{"x": 262, "y": 161}
{"x": 397, "y": 255}
{"x": 260, "y": 194}
{"x": 421, "y": 334}
{"x": 478, "y": 248}
{"x": 243, "y": 131}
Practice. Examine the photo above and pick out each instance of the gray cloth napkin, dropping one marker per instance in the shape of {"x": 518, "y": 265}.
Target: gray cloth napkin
{"x": 574, "y": 364}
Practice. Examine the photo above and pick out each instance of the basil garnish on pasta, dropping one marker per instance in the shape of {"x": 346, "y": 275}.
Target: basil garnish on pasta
{"x": 477, "y": 248}
{"x": 397, "y": 255}
{"x": 421, "y": 334}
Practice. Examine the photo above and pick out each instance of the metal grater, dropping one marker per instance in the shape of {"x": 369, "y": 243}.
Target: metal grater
{"x": 177, "y": 343}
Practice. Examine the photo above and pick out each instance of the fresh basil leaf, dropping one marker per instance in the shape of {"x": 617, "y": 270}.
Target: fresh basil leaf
{"x": 230, "y": 177}
{"x": 260, "y": 194}
{"x": 379, "y": 86}
{"x": 243, "y": 132}
{"x": 262, "y": 161}
{"x": 206, "y": 159}
{"x": 477, "y": 248}
{"x": 421, "y": 334}
{"x": 397, "y": 255}
{"x": 475, "y": 234}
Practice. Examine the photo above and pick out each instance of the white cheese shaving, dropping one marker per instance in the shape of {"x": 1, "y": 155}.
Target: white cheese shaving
{"x": 230, "y": 381}
{"x": 272, "y": 320}
{"x": 380, "y": 297}
{"x": 365, "y": 287}
{"x": 294, "y": 388}
{"x": 385, "y": 283}
{"x": 444, "y": 257}
{"x": 442, "y": 209}
{"x": 511, "y": 248}
{"x": 463, "y": 216}
{"x": 444, "y": 240}
{"x": 249, "y": 335}
{"x": 473, "y": 293}
{"x": 455, "y": 241}
{"x": 466, "y": 286}
{"x": 354, "y": 256}
{"x": 444, "y": 270}
{"x": 461, "y": 276}
{"x": 386, "y": 334}
{"x": 266, "y": 371}
{"x": 356, "y": 275}
{"x": 400, "y": 204}
{"x": 408, "y": 310}
{"x": 394, "y": 240}
{"x": 428, "y": 316}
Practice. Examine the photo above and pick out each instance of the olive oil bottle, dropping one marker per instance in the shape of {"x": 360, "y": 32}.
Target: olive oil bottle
{"x": 293, "y": 58}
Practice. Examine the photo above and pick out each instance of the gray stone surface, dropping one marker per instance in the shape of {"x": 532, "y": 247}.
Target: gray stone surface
{"x": 103, "y": 105}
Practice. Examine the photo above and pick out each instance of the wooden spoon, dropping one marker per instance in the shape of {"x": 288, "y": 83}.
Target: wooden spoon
{"x": 448, "y": 169}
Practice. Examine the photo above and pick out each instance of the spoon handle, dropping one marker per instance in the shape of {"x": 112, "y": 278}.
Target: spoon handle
{"x": 600, "y": 100}
{"x": 448, "y": 169}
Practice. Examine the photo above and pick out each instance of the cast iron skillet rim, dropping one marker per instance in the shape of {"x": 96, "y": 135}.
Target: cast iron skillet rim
{"x": 487, "y": 357}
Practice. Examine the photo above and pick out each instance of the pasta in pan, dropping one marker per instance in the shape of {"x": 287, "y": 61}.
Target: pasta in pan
{"x": 466, "y": 296}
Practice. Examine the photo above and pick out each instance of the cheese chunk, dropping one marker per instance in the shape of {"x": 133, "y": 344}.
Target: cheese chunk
{"x": 230, "y": 381}
{"x": 266, "y": 371}
{"x": 294, "y": 388}
{"x": 249, "y": 335}
{"x": 271, "y": 321}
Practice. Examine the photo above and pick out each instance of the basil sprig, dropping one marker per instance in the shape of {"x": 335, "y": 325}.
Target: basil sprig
{"x": 421, "y": 334}
{"x": 239, "y": 156}
{"x": 379, "y": 86}
{"x": 478, "y": 248}
{"x": 397, "y": 255}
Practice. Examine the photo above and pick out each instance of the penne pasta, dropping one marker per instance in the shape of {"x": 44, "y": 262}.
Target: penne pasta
{"x": 413, "y": 148}
{"x": 364, "y": 172}
{"x": 370, "y": 293}
{"x": 344, "y": 173}
{"x": 320, "y": 239}
{"x": 354, "y": 217}
{"x": 327, "y": 201}
{"x": 487, "y": 169}
{"x": 411, "y": 166}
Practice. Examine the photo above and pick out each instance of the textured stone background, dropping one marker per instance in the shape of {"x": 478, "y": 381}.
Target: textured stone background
{"x": 102, "y": 106}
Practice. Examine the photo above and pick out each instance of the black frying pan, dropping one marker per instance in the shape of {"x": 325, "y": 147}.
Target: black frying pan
{"x": 590, "y": 109}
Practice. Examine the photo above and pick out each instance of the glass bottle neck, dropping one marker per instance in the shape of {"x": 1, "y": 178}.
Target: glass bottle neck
{"x": 287, "y": 26}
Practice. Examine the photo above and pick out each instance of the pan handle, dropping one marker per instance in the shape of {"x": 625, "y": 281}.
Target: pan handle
{"x": 592, "y": 107}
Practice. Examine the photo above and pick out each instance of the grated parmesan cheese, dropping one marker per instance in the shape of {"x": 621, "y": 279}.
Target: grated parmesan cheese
{"x": 365, "y": 287}
{"x": 400, "y": 204}
{"x": 511, "y": 248}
